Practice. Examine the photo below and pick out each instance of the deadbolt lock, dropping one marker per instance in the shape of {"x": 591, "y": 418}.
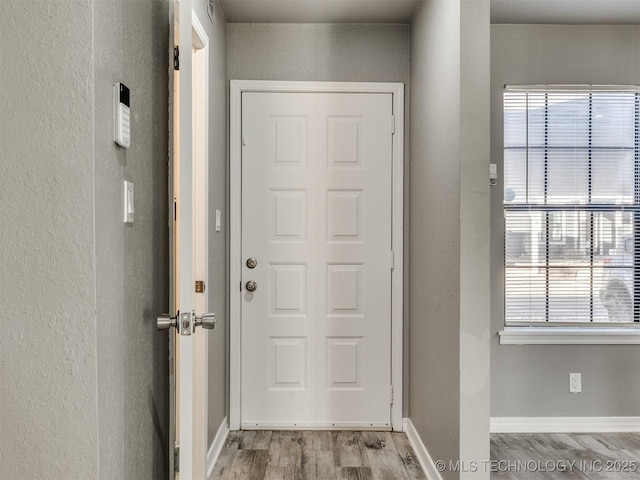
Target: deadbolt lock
{"x": 252, "y": 263}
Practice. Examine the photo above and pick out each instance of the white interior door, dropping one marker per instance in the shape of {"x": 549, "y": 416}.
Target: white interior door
{"x": 317, "y": 175}
{"x": 189, "y": 245}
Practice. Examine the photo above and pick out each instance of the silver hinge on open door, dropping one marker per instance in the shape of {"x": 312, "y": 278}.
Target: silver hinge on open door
{"x": 391, "y": 394}
{"x": 393, "y": 124}
{"x": 176, "y": 458}
{"x": 176, "y": 57}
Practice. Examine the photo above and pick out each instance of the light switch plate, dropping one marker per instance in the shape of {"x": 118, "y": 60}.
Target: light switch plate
{"x": 128, "y": 202}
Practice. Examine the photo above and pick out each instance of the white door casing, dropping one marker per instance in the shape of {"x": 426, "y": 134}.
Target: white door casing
{"x": 188, "y": 188}
{"x": 321, "y": 195}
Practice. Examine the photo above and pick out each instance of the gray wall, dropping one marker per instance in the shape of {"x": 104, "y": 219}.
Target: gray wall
{"x": 434, "y": 226}
{"x": 327, "y": 52}
{"x": 532, "y": 380}
{"x": 85, "y": 374}
{"x": 449, "y": 230}
{"x": 475, "y": 234}
{"x": 217, "y": 290}
{"x": 131, "y": 46}
{"x": 47, "y": 266}
{"x": 320, "y": 52}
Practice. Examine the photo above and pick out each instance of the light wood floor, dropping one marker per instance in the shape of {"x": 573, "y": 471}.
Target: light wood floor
{"x": 322, "y": 455}
{"x": 597, "y": 456}
{"x": 317, "y": 455}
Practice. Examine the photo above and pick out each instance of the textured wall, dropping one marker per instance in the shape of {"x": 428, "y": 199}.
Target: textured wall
{"x": 434, "y": 226}
{"x": 86, "y": 376}
{"x": 449, "y": 229}
{"x": 48, "y": 423}
{"x": 532, "y": 380}
{"x": 321, "y": 52}
{"x": 131, "y": 46}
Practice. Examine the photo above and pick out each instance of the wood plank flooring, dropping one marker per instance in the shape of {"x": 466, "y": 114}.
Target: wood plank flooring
{"x": 345, "y": 455}
{"x": 579, "y": 456}
{"x": 317, "y": 455}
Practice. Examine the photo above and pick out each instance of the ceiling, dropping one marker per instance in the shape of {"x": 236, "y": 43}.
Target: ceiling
{"x": 400, "y": 11}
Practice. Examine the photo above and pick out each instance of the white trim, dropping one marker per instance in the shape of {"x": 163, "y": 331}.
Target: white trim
{"x": 217, "y": 445}
{"x": 397, "y": 244}
{"x": 200, "y": 211}
{"x": 316, "y": 426}
{"x": 235, "y": 252}
{"x": 237, "y": 87}
{"x": 564, "y": 424}
{"x": 424, "y": 459}
{"x": 569, "y": 336}
{"x": 324, "y": 87}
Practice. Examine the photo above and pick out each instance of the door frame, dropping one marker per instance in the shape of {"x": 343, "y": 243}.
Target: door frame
{"x": 200, "y": 159}
{"x": 237, "y": 88}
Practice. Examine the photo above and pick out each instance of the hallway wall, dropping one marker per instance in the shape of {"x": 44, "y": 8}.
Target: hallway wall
{"x": 85, "y": 373}
{"x": 449, "y": 218}
{"x": 217, "y": 290}
{"x": 48, "y": 360}
{"x": 434, "y": 321}
{"x": 132, "y": 287}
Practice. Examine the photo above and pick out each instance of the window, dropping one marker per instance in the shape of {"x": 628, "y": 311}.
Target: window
{"x": 572, "y": 206}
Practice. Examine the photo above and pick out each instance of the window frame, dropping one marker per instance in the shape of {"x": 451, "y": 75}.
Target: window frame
{"x": 550, "y": 332}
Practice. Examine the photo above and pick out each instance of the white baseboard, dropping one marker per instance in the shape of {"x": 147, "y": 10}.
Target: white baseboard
{"x": 564, "y": 424}
{"x": 217, "y": 445}
{"x": 424, "y": 459}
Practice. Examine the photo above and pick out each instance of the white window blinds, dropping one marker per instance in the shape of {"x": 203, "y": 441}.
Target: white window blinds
{"x": 572, "y": 205}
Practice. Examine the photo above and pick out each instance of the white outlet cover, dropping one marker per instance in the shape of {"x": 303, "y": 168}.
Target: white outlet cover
{"x": 575, "y": 383}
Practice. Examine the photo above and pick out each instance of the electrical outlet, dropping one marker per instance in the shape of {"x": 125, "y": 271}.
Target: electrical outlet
{"x": 575, "y": 383}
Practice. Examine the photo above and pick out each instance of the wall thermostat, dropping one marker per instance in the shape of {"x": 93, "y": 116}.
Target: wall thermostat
{"x": 121, "y": 115}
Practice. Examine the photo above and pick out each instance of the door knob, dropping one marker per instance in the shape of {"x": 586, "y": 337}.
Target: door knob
{"x": 251, "y": 286}
{"x": 166, "y": 321}
{"x": 206, "y": 321}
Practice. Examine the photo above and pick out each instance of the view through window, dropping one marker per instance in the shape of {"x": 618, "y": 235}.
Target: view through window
{"x": 572, "y": 205}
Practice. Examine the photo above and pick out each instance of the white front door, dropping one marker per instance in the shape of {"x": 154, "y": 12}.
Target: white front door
{"x": 317, "y": 176}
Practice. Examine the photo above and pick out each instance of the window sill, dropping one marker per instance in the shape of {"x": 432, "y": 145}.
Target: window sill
{"x": 569, "y": 336}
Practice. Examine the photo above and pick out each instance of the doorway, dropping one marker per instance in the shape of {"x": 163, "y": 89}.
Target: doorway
{"x": 316, "y": 209}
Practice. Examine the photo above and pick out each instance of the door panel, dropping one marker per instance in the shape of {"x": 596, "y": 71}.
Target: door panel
{"x": 316, "y": 214}
{"x": 188, "y": 192}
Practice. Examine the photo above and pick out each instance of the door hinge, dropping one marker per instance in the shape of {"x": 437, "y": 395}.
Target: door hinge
{"x": 176, "y": 57}
{"x": 392, "y": 260}
{"x": 393, "y": 124}
{"x": 240, "y": 286}
{"x": 391, "y": 394}
{"x": 176, "y": 458}
{"x": 199, "y": 286}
